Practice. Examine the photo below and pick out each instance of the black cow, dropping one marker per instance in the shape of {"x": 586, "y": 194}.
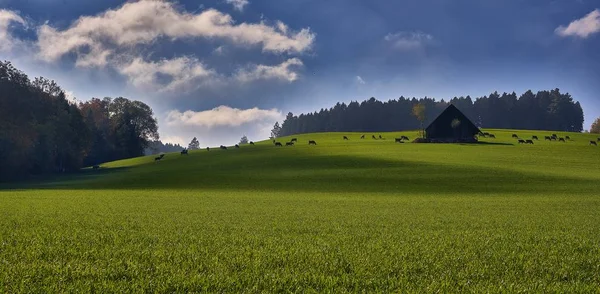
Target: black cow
{"x": 561, "y": 140}
{"x": 593, "y": 143}
{"x": 375, "y": 138}
{"x": 345, "y": 138}
{"x": 294, "y": 140}
{"x": 362, "y": 137}
{"x": 405, "y": 138}
{"x": 380, "y": 137}
{"x": 567, "y": 138}
{"x": 157, "y": 158}
{"x": 184, "y": 152}
{"x": 289, "y": 144}
{"x": 311, "y": 142}
{"x": 96, "y": 167}
{"x": 548, "y": 138}
{"x": 207, "y": 148}
{"x": 598, "y": 139}
{"x": 237, "y": 146}
{"x": 534, "y": 137}
{"x": 515, "y": 136}
{"x": 486, "y": 134}
{"x": 278, "y": 144}
{"x": 398, "y": 140}
{"x": 251, "y": 143}
{"x": 223, "y": 147}
{"x": 521, "y": 141}
{"x": 529, "y": 141}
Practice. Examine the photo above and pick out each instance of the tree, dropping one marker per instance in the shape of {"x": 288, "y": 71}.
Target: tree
{"x": 595, "y": 127}
{"x": 276, "y": 130}
{"x": 194, "y": 144}
{"x": 419, "y": 112}
{"x": 244, "y": 140}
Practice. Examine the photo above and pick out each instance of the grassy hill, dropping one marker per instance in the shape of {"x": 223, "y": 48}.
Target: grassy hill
{"x": 341, "y": 216}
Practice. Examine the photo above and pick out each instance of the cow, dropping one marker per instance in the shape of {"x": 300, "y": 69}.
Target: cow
{"x": 311, "y": 142}
{"x": 486, "y": 134}
{"x": 362, "y": 137}
{"x": 380, "y": 137}
{"x": 375, "y": 138}
{"x": 492, "y": 136}
{"x": 548, "y": 138}
{"x": 223, "y": 147}
{"x": 96, "y": 167}
{"x": 534, "y": 137}
{"x": 251, "y": 143}
{"x": 554, "y": 135}
{"x": 237, "y": 146}
{"x": 561, "y": 140}
{"x": 278, "y": 144}
{"x": 593, "y": 143}
{"x": 567, "y": 138}
{"x": 345, "y": 138}
{"x": 521, "y": 141}
{"x": 398, "y": 140}
{"x": 294, "y": 140}
{"x": 405, "y": 138}
{"x": 207, "y": 148}
{"x": 598, "y": 139}
{"x": 184, "y": 152}
{"x": 553, "y": 138}
{"x": 528, "y": 141}
{"x": 289, "y": 144}
{"x": 157, "y": 158}
{"x": 515, "y": 136}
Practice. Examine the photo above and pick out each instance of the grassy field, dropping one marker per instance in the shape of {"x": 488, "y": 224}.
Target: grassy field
{"x": 342, "y": 216}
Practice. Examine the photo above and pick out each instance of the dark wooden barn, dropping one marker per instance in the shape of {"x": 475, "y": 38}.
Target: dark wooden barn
{"x": 452, "y": 126}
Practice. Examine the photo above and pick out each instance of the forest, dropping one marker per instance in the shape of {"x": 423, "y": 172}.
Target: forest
{"x": 544, "y": 110}
{"x": 42, "y": 132}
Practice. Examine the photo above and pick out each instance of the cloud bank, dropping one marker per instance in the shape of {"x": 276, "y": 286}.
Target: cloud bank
{"x": 583, "y": 27}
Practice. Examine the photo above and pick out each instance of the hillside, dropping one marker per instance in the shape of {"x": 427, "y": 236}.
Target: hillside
{"x": 340, "y": 216}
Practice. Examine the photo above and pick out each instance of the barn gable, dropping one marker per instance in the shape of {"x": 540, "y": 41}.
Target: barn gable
{"x": 452, "y": 126}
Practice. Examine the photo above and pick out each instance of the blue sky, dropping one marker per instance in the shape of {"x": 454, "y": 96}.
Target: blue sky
{"x": 221, "y": 69}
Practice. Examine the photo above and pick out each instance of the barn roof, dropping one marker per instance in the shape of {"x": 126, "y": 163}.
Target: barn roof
{"x": 445, "y": 118}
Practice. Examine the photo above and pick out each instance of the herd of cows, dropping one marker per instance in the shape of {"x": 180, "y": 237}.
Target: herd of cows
{"x": 402, "y": 139}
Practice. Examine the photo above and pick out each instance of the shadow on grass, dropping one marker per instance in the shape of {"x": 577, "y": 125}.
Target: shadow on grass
{"x": 49, "y": 181}
{"x": 257, "y": 171}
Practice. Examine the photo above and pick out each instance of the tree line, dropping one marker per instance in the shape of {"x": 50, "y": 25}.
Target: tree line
{"x": 544, "y": 110}
{"x": 42, "y": 132}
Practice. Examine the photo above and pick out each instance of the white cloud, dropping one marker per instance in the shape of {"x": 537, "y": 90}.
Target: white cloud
{"x": 283, "y": 71}
{"x": 360, "y": 80}
{"x": 166, "y": 74}
{"x": 408, "y": 40}
{"x": 583, "y": 27}
{"x": 219, "y": 50}
{"x": 7, "y": 18}
{"x": 238, "y": 4}
{"x": 146, "y": 21}
{"x": 222, "y": 116}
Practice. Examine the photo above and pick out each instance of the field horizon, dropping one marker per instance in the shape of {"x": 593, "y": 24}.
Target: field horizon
{"x": 341, "y": 216}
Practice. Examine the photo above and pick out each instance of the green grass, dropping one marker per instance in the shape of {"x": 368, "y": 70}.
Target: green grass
{"x": 342, "y": 216}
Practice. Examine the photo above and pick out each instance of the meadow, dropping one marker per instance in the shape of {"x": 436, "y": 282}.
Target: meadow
{"x": 343, "y": 216}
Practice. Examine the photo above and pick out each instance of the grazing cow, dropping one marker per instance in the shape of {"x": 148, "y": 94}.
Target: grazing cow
{"x": 157, "y": 158}
{"x": 553, "y": 138}
{"x": 398, "y": 140}
{"x": 237, "y": 146}
{"x": 223, "y": 147}
{"x": 548, "y": 138}
{"x": 362, "y": 137}
{"x": 184, "y": 152}
{"x": 486, "y": 134}
{"x": 294, "y": 140}
{"x": 561, "y": 140}
{"x": 598, "y": 139}
{"x": 380, "y": 137}
{"x": 593, "y": 143}
{"x": 521, "y": 141}
{"x": 405, "y": 138}
{"x": 207, "y": 148}
{"x": 492, "y": 136}
{"x": 278, "y": 144}
{"x": 345, "y": 138}
{"x": 534, "y": 137}
{"x": 515, "y": 136}
{"x": 554, "y": 135}
{"x": 251, "y": 143}
{"x": 567, "y": 138}
{"x": 529, "y": 141}
{"x": 289, "y": 144}
{"x": 375, "y": 138}
{"x": 311, "y": 142}
{"x": 96, "y": 167}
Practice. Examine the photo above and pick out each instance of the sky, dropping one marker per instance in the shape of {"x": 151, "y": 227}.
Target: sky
{"x": 217, "y": 70}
